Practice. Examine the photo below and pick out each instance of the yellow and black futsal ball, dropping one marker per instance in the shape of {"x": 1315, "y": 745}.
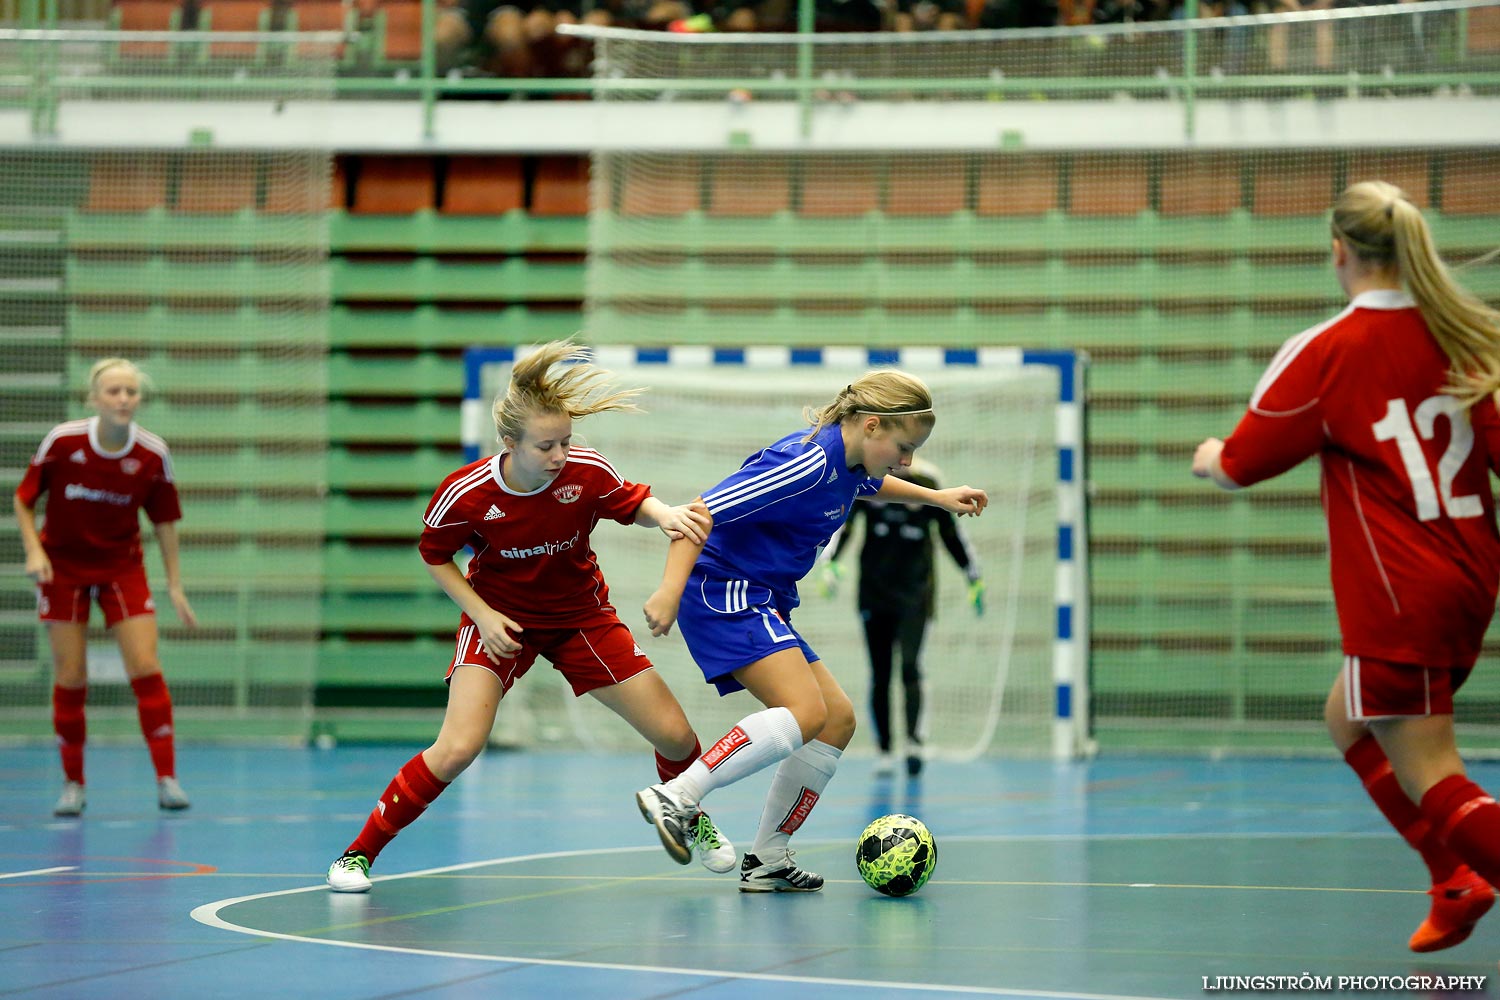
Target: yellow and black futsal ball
{"x": 896, "y": 855}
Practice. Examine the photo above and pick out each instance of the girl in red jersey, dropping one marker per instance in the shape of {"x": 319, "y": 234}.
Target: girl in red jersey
{"x": 1396, "y": 397}
{"x": 534, "y": 588}
{"x": 98, "y": 475}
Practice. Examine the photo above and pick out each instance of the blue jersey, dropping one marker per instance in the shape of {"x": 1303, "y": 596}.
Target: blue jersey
{"x": 773, "y": 516}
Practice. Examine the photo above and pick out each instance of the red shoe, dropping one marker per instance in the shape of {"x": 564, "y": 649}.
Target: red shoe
{"x": 1457, "y": 905}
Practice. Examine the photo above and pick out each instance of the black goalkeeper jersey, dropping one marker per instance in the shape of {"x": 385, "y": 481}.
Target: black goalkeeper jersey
{"x": 895, "y": 563}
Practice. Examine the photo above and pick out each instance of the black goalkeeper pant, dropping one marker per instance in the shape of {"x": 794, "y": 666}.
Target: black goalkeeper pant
{"x": 885, "y": 631}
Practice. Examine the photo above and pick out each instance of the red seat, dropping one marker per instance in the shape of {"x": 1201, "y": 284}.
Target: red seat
{"x": 299, "y": 187}
{"x": 852, "y": 189}
{"x": 319, "y": 15}
{"x": 1016, "y": 184}
{"x": 1300, "y": 185}
{"x": 750, "y": 187}
{"x": 399, "y": 26}
{"x": 1471, "y": 184}
{"x": 1200, "y": 184}
{"x": 234, "y": 15}
{"x": 1410, "y": 171}
{"x": 126, "y": 183}
{"x": 484, "y": 185}
{"x": 1109, "y": 184}
{"x": 561, "y": 186}
{"x": 394, "y": 185}
{"x": 932, "y": 185}
{"x": 661, "y": 187}
{"x": 214, "y": 184}
{"x": 145, "y": 15}
{"x": 1482, "y": 36}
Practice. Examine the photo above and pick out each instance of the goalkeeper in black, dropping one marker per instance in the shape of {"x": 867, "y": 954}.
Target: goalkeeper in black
{"x": 897, "y": 593}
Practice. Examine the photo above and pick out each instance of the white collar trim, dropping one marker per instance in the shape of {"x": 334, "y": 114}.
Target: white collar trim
{"x": 100, "y": 450}
{"x": 497, "y": 471}
{"x": 1383, "y": 298}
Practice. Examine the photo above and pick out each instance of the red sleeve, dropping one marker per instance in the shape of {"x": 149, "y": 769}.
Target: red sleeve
{"x": 162, "y": 504}
{"x": 622, "y": 500}
{"x": 1284, "y": 423}
{"x": 34, "y": 482}
{"x": 445, "y": 525}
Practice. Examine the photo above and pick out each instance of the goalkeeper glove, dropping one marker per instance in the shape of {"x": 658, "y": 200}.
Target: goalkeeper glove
{"x": 828, "y": 580}
{"x": 976, "y": 597}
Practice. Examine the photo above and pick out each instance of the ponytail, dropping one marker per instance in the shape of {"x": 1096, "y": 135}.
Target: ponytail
{"x": 1380, "y": 225}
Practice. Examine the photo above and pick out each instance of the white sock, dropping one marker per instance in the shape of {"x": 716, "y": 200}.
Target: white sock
{"x": 795, "y": 789}
{"x": 758, "y": 741}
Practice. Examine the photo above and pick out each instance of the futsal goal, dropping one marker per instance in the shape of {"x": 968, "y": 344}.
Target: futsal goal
{"x": 1013, "y": 680}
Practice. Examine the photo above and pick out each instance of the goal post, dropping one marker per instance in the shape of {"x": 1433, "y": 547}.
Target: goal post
{"x": 1012, "y": 681}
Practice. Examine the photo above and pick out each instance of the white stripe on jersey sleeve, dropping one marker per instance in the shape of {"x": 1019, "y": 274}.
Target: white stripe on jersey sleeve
{"x": 71, "y": 427}
{"x": 1283, "y": 360}
{"x": 809, "y": 465}
{"x": 588, "y": 456}
{"x": 450, "y": 496}
{"x": 154, "y": 443}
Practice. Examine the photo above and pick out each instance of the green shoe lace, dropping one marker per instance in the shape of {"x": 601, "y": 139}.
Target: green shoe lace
{"x": 349, "y": 862}
{"x": 705, "y": 834}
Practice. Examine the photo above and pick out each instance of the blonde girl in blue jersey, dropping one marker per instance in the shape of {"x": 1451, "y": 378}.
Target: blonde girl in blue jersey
{"x": 734, "y": 593}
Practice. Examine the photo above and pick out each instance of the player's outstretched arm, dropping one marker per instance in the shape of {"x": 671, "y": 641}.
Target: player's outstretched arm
{"x": 690, "y": 520}
{"x": 166, "y": 540}
{"x": 964, "y": 501}
{"x": 495, "y": 629}
{"x": 1206, "y": 464}
{"x": 38, "y": 566}
{"x": 661, "y": 607}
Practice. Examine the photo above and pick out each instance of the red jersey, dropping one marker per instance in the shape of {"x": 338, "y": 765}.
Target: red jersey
{"x": 1415, "y": 556}
{"x": 92, "y": 527}
{"x": 532, "y": 556}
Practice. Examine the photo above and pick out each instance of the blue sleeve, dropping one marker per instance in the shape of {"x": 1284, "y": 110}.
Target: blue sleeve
{"x": 765, "y": 480}
{"x": 869, "y": 487}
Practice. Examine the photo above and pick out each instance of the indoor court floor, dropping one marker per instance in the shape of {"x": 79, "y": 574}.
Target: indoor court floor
{"x": 534, "y": 876}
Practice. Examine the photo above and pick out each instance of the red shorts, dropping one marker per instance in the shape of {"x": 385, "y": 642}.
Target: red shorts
{"x": 126, "y": 596}
{"x": 1380, "y": 689}
{"x": 595, "y": 655}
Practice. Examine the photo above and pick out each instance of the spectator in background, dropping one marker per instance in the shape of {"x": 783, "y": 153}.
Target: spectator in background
{"x": 518, "y": 39}
{"x": 930, "y": 15}
{"x": 1018, "y": 14}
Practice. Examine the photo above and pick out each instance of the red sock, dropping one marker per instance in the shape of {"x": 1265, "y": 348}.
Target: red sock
{"x": 153, "y": 703}
{"x": 1374, "y": 770}
{"x": 71, "y": 729}
{"x": 1467, "y": 820}
{"x": 409, "y": 793}
{"x": 669, "y": 769}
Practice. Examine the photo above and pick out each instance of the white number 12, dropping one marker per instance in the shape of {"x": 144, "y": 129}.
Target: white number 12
{"x": 1396, "y": 426}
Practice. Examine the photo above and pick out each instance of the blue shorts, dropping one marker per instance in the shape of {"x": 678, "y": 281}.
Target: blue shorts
{"x": 729, "y": 624}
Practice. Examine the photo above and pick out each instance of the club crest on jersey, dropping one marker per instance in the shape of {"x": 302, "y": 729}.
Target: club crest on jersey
{"x": 130, "y": 466}
{"x": 568, "y": 493}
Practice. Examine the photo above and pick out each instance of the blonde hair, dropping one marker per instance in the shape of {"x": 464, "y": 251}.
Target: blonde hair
{"x": 893, "y": 396}
{"x": 98, "y": 368}
{"x": 577, "y": 389}
{"x": 1381, "y": 227}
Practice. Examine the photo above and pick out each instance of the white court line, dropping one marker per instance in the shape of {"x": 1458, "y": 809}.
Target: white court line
{"x": 208, "y": 914}
{"x": 39, "y": 871}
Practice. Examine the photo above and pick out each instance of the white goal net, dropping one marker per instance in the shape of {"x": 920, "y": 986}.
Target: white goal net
{"x": 989, "y": 680}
